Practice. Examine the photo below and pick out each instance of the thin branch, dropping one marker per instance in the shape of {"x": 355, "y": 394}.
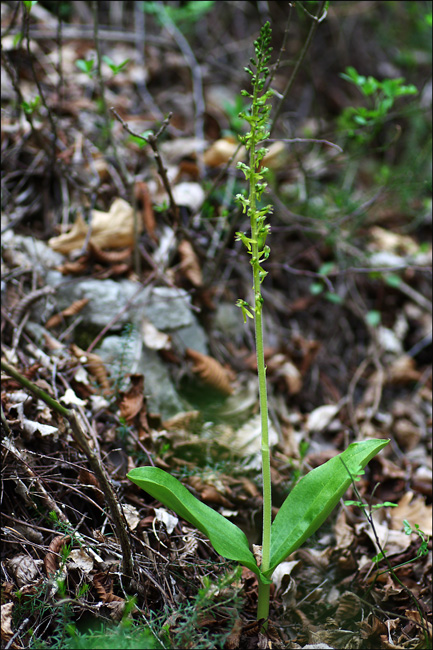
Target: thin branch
{"x": 152, "y": 140}
{"x": 301, "y": 58}
{"x": 197, "y": 83}
{"x": 314, "y": 140}
{"x": 26, "y": 25}
{"x": 126, "y": 179}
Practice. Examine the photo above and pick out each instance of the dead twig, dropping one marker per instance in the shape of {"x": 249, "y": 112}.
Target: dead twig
{"x": 95, "y": 464}
{"x": 152, "y": 140}
{"x": 316, "y": 20}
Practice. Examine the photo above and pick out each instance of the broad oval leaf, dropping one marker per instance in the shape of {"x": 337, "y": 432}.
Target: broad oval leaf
{"x": 315, "y": 496}
{"x": 227, "y": 539}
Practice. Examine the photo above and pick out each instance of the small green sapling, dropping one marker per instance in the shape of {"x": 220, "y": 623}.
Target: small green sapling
{"x": 315, "y": 496}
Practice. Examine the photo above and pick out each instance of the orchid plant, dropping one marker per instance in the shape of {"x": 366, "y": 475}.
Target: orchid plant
{"x": 315, "y": 496}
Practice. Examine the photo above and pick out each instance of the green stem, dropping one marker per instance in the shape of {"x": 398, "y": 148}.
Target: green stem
{"x": 263, "y": 604}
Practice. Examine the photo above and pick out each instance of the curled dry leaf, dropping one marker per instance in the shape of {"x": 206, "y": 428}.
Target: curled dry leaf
{"x": 414, "y": 510}
{"x": 210, "y": 371}
{"x": 164, "y": 517}
{"x": 79, "y": 559}
{"x": 386, "y": 240}
{"x": 284, "y": 368}
{"x": 113, "y": 229}
{"x": 132, "y": 400}
{"x": 221, "y": 151}
{"x": 189, "y": 263}
{"x": 153, "y": 338}
{"x": 182, "y": 420}
{"x": 94, "y": 365}
{"x": 348, "y": 607}
{"x": 104, "y": 586}
{"x": 23, "y": 568}
{"x": 89, "y": 480}
{"x": 190, "y": 195}
{"x": 77, "y": 267}
{"x": 6, "y": 626}
{"x": 108, "y": 257}
{"x": 209, "y": 492}
{"x": 319, "y": 419}
{"x": 73, "y": 309}
{"x": 403, "y": 370}
{"x": 51, "y": 558}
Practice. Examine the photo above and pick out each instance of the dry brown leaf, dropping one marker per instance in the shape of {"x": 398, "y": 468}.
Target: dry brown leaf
{"x": 94, "y": 365}
{"x": 71, "y": 240}
{"x": 210, "y": 494}
{"x": 108, "y": 257}
{"x": 153, "y": 338}
{"x": 221, "y": 151}
{"x": 104, "y": 586}
{"x": 89, "y": 479}
{"x": 406, "y": 433}
{"x": 189, "y": 263}
{"x": 73, "y": 309}
{"x": 403, "y": 370}
{"x": 74, "y": 268}
{"x": 210, "y": 371}
{"x": 414, "y": 510}
{"x": 386, "y": 240}
{"x": 343, "y": 532}
{"x": 132, "y": 400}
{"x": 348, "y": 607}
{"x": 284, "y": 368}
{"x": 6, "y": 626}
{"x": 113, "y": 229}
{"x": 23, "y": 568}
{"x": 51, "y": 558}
{"x": 275, "y": 157}
{"x": 415, "y": 616}
{"x": 182, "y": 420}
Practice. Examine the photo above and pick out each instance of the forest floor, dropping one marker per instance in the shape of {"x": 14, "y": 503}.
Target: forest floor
{"x": 120, "y": 275}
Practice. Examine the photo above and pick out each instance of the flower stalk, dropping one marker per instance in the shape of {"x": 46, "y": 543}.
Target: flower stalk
{"x": 257, "y": 119}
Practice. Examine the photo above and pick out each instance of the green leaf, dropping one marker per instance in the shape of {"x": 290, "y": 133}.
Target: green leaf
{"x": 316, "y": 288}
{"x": 315, "y": 496}
{"x": 407, "y": 527}
{"x": 373, "y": 317}
{"x": 115, "y": 69}
{"x": 393, "y": 280}
{"x": 85, "y": 66}
{"x": 227, "y": 539}
{"x": 334, "y": 298}
{"x": 355, "y": 503}
{"x": 326, "y": 268}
